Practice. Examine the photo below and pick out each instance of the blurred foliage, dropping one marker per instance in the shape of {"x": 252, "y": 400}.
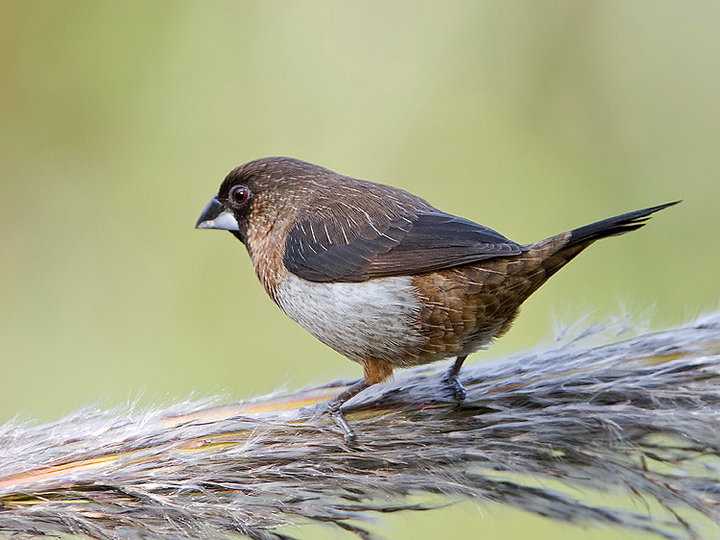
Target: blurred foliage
{"x": 119, "y": 119}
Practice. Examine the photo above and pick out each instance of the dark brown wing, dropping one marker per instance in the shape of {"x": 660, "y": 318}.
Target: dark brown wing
{"x": 332, "y": 249}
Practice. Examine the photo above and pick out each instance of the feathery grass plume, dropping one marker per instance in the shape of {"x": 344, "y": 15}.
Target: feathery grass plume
{"x": 637, "y": 416}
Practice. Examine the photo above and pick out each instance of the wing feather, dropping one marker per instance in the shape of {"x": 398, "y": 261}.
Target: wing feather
{"x": 420, "y": 242}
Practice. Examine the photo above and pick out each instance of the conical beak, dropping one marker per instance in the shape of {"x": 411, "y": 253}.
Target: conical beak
{"x": 216, "y": 216}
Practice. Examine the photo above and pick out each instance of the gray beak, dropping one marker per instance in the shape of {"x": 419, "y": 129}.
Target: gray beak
{"x": 216, "y": 216}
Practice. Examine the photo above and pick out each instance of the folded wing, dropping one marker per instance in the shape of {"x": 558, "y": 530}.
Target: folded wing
{"x": 336, "y": 248}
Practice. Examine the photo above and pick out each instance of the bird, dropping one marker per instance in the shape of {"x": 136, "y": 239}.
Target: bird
{"x": 379, "y": 274}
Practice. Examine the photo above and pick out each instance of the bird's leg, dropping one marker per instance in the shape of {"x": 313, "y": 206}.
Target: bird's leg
{"x": 375, "y": 371}
{"x": 453, "y": 383}
{"x": 334, "y": 408}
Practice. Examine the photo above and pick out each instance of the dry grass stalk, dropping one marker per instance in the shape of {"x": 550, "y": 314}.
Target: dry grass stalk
{"x": 639, "y": 416}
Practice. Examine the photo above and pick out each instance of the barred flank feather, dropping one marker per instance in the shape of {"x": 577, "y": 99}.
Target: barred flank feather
{"x": 640, "y": 416}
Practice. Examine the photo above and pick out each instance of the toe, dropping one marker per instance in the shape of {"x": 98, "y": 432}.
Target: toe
{"x": 455, "y": 388}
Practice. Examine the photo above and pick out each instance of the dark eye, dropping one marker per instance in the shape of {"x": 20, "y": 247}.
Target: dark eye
{"x": 239, "y": 195}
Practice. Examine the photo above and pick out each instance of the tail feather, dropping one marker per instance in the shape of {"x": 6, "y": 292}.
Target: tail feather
{"x": 614, "y": 226}
{"x": 544, "y": 258}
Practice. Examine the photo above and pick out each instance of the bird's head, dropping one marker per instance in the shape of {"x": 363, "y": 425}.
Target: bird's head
{"x": 264, "y": 193}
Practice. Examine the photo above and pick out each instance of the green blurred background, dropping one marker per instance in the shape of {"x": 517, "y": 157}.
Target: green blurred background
{"x": 119, "y": 119}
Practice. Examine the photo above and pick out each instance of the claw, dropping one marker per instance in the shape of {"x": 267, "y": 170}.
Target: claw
{"x": 333, "y": 407}
{"x": 453, "y": 383}
{"x": 455, "y": 387}
{"x": 348, "y": 433}
{"x": 458, "y": 390}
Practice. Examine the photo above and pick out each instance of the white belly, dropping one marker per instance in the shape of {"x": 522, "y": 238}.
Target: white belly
{"x": 374, "y": 319}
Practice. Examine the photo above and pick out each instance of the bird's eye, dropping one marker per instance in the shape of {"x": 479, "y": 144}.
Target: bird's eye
{"x": 239, "y": 195}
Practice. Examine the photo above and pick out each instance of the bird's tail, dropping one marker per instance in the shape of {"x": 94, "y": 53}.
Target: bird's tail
{"x": 613, "y": 226}
{"x": 541, "y": 260}
{"x": 546, "y": 257}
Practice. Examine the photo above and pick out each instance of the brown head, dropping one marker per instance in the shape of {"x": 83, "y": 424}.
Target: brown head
{"x": 259, "y": 194}
{"x": 265, "y": 198}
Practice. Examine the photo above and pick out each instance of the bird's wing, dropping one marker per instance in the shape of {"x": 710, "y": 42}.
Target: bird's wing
{"x": 333, "y": 248}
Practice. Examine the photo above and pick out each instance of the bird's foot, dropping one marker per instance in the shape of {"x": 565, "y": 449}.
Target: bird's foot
{"x": 452, "y": 382}
{"x": 313, "y": 411}
{"x": 455, "y": 387}
{"x": 333, "y": 409}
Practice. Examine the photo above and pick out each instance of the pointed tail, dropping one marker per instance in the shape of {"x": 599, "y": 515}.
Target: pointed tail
{"x": 555, "y": 252}
{"x": 614, "y": 226}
